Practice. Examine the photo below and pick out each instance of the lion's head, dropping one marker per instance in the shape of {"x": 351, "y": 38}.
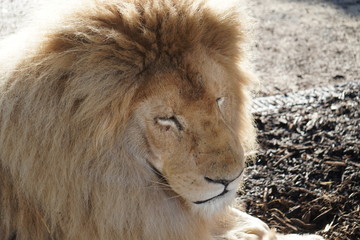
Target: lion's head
{"x": 124, "y": 115}
{"x": 185, "y": 126}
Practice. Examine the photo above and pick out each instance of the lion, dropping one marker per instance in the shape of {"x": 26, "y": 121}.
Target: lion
{"x": 127, "y": 119}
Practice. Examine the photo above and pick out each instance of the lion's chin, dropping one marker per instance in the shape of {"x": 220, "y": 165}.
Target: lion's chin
{"x": 215, "y": 205}
{"x": 213, "y": 198}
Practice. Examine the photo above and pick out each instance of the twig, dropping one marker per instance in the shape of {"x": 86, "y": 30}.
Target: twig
{"x": 265, "y": 196}
{"x": 284, "y": 222}
{"x": 300, "y": 223}
{"x": 354, "y": 164}
{"x": 336, "y": 163}
{"x": 283, "y": 158}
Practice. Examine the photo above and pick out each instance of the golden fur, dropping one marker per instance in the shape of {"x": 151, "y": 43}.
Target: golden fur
{"x": 124, "y": 119}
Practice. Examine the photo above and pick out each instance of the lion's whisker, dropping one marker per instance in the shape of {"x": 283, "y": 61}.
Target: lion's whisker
{"x": 160, "y": 183}
{"x": 173, "y": 197}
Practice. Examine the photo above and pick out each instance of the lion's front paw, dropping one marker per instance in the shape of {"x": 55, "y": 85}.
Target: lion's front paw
{"x": 251, "y": 235}
{"x": 298, "y": 237}
{"x": 249, "y": 228}
{"x": 313, "y": 237}
{"x": 246, "y": 227}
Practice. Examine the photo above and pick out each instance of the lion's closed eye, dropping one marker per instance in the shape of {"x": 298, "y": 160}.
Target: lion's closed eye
{"x": 169, "y": 122}
{"x": 222, "y": 105}
{"x": 220, "y": 102}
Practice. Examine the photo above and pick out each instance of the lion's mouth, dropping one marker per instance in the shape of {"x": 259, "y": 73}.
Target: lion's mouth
{"x": 217, "y": 196}
{"x": 163, "y": 180}
{"x": 225, "y": 183}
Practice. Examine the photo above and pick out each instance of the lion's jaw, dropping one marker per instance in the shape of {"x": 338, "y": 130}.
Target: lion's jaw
{"x": 191, "y": 147}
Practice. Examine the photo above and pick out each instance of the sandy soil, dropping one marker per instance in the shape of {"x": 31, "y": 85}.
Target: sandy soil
{"x": 306, "y": 43}
{"x": 298, "y": 44}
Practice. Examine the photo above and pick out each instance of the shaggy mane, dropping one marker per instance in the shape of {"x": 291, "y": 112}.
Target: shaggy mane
{"x": 138, "y": 33}
{"x": 65, "y": 98}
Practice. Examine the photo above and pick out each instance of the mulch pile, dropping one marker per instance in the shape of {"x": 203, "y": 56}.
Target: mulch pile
{"x": 306, "y": 176}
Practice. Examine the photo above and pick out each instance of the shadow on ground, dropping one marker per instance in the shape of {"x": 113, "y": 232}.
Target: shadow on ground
{"x": 351, "y": 7}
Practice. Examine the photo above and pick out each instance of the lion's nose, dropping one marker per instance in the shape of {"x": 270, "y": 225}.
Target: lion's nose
{"x": 224, "y": 182}
{"x": 221, "y": 181}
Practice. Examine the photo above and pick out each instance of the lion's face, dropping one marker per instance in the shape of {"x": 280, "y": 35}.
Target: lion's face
{"x": 189, "y": 133}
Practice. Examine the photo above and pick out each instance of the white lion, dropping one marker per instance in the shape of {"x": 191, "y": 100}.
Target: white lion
{"x": 127, "y": 119}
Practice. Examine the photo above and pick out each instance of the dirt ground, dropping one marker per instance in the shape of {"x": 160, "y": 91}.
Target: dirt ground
{"x": 307, "y": 171}
{"x": 301, "y": 44}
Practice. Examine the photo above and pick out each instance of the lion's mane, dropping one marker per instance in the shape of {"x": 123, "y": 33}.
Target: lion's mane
{"x": 65, "y": 100}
